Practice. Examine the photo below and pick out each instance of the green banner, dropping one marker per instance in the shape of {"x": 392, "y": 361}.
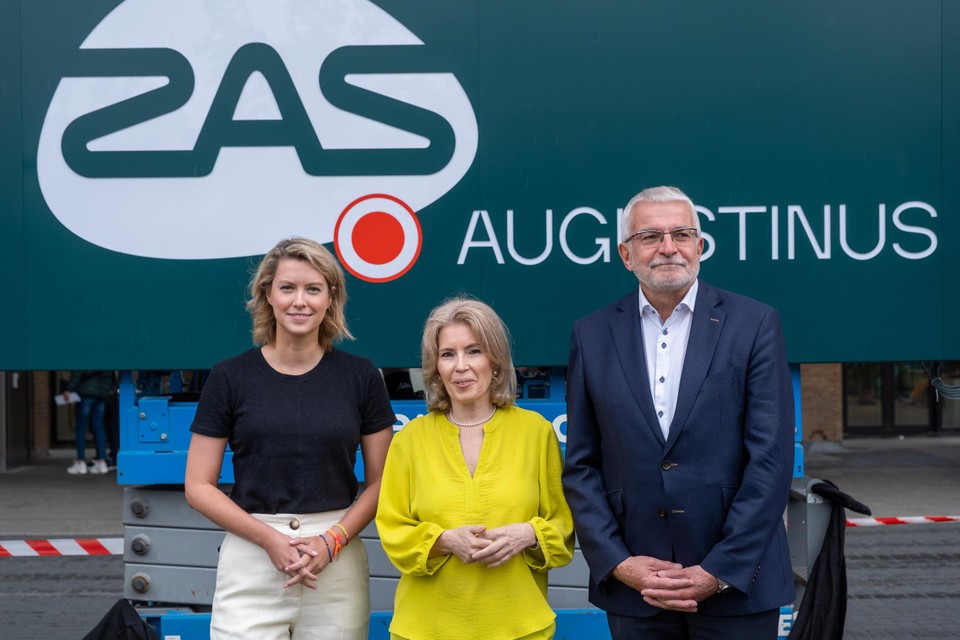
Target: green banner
{"x": 153, "y": 149}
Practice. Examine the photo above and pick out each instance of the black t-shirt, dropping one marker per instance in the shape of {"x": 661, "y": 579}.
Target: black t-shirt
{"x": 294, "y": 438}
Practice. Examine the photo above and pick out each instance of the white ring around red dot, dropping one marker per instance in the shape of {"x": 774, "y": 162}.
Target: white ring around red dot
{"x": 396, "y": 209}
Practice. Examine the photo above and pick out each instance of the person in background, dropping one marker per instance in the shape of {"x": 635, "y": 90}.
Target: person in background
{"x": 472, "y": 511}
{"x": 94, "y": 389}
{"x": 293, "y": 410}
{"x": 680, "y": 443}
{"x": 111, "y": 425}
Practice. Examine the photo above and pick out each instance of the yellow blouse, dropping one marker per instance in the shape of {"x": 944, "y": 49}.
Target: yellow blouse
{"x": 427, "y": 488}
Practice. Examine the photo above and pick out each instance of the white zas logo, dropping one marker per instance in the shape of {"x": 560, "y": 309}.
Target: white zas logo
{"x": 190, "y": 129}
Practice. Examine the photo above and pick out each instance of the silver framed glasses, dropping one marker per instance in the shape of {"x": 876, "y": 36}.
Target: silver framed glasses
{"x": 681, "y": 236}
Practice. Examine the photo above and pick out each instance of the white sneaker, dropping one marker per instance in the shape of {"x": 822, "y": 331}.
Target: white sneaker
{"x": 99, "y": 467}
{"x": 79, "y": 467}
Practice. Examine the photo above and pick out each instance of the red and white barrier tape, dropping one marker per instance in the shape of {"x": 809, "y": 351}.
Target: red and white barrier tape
{"x": 876, "y": 522}
{"x": 61, "y": 547}
{"x": 114, "y": 546}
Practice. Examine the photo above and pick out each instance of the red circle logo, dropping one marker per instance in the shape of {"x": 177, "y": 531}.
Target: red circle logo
{"x": 377, "y": 238}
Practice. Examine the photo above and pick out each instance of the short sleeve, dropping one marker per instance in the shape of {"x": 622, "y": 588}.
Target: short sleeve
{"x": 215, "y": 415}
{"x": 376, "y": 411}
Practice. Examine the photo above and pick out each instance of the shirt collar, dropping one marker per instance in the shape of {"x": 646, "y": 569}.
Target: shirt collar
{"x": 689, "y": 300}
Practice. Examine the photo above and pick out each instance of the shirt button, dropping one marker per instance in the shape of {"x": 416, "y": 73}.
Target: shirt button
{"x": 665, "y": 332}
{"x": 659, "y": 414}
{"x": 662, "y": 512}
{"x": 294, "y": 524}
{"x": 662, "y": 379}
{"x": 663, "y": 345}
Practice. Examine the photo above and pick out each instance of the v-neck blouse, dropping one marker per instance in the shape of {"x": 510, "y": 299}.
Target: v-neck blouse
{"x": 427, "y": 488}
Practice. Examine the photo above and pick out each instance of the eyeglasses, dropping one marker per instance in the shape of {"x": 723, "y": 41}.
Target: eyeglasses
{"x": 653, "y": 237}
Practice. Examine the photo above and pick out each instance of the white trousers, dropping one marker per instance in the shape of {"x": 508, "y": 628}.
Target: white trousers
{"x": 250, "y": 601}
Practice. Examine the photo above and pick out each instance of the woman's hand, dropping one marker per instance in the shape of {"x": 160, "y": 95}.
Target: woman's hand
{"x": 463, "y": 542}
{"x": 314, "y": 557}
{"x": 505, "y": 542}
{"x": 282, "y": 555}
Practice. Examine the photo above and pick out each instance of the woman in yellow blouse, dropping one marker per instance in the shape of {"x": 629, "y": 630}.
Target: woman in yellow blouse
{"x": 471, "y": 508}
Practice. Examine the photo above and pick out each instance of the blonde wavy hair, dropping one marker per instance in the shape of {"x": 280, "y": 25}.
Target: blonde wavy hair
{"x": 494, "y": 341}
{"x": 334, "y": 325}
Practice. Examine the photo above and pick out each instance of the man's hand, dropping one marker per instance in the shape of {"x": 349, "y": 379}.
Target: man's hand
{"x": 698, "y": 585}
{"x": 640, "y": 572}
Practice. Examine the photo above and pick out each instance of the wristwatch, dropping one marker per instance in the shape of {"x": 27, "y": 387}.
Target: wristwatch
{"x": 724, "y": 587}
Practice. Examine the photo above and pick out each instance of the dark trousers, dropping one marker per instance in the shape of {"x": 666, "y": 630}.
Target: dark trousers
{"x": 90, "y": 411}
{"x": 111, "y": 425}
{"x": 674, "y": 625}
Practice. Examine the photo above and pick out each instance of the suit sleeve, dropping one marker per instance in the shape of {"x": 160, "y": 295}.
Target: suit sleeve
{"x": 406, "y": 540}
{"x": 600, "y": 537}
{"x": 768, "y": 425}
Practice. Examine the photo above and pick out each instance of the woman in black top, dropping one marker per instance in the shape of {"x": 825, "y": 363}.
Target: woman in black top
{"x": 293, "y": 411}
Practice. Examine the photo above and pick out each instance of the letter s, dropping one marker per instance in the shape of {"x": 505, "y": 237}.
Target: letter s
{"x": 911, "y": 255}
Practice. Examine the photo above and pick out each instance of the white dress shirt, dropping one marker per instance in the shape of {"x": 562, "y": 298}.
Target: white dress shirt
{"x": 665, "y": 346}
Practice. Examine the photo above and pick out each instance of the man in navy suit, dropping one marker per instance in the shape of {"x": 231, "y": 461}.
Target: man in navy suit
{"x": 680, "y": 443}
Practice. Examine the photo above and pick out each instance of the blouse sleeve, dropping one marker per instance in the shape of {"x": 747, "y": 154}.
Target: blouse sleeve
{"x": 554, "y": 523}
{"x": 406, "y": 541}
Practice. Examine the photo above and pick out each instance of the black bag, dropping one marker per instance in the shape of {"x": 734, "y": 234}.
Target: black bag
{"x": 122, "y": 622}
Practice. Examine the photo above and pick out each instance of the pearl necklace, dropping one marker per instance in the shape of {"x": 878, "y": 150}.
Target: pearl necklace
{"x": 470, "y": 424}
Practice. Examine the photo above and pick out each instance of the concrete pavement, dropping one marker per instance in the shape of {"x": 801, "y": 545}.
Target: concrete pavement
{"x": 903, "y": 580}
{"x": 42, "y": 500}
{"x": 895, "y": 477}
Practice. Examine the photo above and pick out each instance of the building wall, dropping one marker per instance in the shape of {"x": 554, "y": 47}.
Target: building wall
{"x": 822, "y": 401}
{"x": 42, "y": 412}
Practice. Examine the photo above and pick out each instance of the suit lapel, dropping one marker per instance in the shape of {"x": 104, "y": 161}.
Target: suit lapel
{"x": 708, "y": 319}
{"x": 628, "y": 338}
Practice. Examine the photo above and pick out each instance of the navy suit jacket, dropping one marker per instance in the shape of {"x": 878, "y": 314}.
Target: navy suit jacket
{"x": 715, "y": 491}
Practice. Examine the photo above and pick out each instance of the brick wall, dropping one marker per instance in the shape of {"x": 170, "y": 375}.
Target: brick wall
{"x": 822, "y": 401}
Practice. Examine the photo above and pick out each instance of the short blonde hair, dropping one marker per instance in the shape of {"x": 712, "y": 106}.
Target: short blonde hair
{"x": 494, "y": 341}
{"x": 334, "y": 325}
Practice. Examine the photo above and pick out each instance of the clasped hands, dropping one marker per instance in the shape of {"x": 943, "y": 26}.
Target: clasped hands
{"x": 667, "y": 585}
{"x": 492, "y": 547}
{"x": 300, "y": 558}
